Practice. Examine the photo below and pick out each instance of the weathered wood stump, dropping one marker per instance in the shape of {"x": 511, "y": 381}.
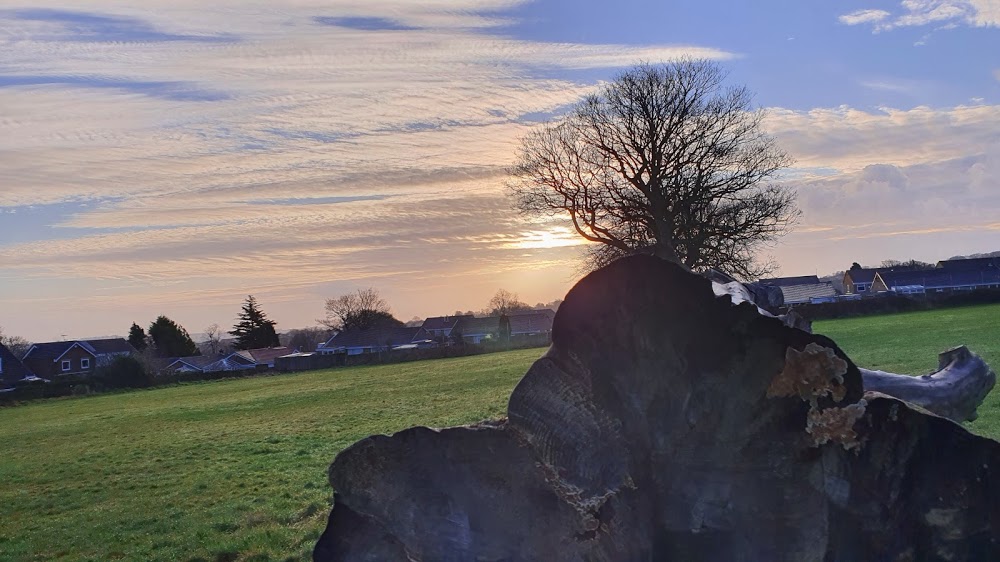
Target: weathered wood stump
{"x": 954, "y": 391}
{"x": 666, "y": 423}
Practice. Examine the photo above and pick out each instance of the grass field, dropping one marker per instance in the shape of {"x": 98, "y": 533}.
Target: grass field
{"x": 224, "y": 470}
{"x": 235, "y": 469}
{"x": 909, "y": 342}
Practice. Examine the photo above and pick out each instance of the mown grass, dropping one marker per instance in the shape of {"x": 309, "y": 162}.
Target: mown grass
{"x": 236, "y": 469}
{"x": 223, "y": 470}
{"x": 909, "y": 342}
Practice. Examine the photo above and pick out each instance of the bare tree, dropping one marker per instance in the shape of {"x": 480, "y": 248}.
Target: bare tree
{"x": 214, "y": 333}
{"x": 16, "y": 344}
{"x": 663, "y": 159}
{"x": 305, "y": 339}
{"x": 504, "y": 302}
{"x": 912, "y": 264}
{"x": 362, "y": 309}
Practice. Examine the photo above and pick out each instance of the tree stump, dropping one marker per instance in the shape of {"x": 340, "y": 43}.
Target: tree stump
{"x": 666, "y": 423}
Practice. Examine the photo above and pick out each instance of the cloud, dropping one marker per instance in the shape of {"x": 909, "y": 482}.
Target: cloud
{"x": 863, "y": 16}
{"x": 846, "y": 139}
{"x": 70, "y": 25}
{"x": 916, "y": 13}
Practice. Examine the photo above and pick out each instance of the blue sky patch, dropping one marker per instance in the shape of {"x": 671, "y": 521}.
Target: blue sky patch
{"x": 175, "y": 91}
{"x": 87, "y": 26}
{"x": 364, "y": 23}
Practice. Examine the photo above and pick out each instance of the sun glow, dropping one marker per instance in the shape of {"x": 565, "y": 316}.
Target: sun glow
{"x": 557, "y": 237}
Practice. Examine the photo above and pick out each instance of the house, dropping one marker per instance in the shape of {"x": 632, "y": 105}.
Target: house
{"x": 971, "y": 264}
{"x": 442, "y": 326}
{"x": 858, "y": 280}
{"x": 265, "y": 356}
{"x": 12, "y": 370}
{"x": 236, "y": 361}
{"x": 938, "y": 280}
{"x": 479, "y": 330}
{"x": 79, "y": 357}
{"x": 814, "y": 293}
{"x": 531, "y": 323}
{"x": 193, "y": 364}
{"x": 372, "y": 340}
{"x": 804, "y": 289}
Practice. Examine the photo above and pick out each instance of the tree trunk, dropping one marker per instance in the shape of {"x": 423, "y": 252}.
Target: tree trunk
{"x": 954, "y": 391}
{"x": 664, "y": 423}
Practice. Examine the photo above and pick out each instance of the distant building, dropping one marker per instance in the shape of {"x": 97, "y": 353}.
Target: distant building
{"x": 947, "y": 277}
{"x": 803, "y": 289}
{"x": 372, "y": 340}
{"x": 443, "y": 326}
{"x": 79, "y": 357}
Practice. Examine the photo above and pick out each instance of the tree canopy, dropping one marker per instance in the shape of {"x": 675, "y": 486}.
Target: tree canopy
{"x": 137, "y": 337}
{"x": 504, "y": 302}
{"x": 360, "y": 310}
{"x": 663, "y": 159}
{"x": 253, "y": 330}
{"x": 16, "y": 344}
{"x": 171, "y": 339}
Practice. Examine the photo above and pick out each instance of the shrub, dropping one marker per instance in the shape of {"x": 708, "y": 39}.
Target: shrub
{"x": 123, "y": 372}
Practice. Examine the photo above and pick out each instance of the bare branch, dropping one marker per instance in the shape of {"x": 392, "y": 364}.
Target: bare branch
{"x": 665, "y": 160}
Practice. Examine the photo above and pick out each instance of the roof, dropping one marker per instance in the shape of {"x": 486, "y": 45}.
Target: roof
{"x": 232, "y": 362}
{"x": 804, "y": 293}
{"x": 50, "y": 350}
{"x": 443, "y": 322}
{"x": 789, "y": 281}
{"x": 970, "y": 264}
{"x": 108, "y": 345}
{"x": 197, "y": 361}
{"x": 55, "y": 349}
{"x": 472, "y": 326}
{"x": 861, "y": 275}
{"x": 266, "y": 355}
{"x": 11, "y": 368}
{"x": 940, "y": 278}
{"x": 375, "y": 337}
{"x": 533, "y": 322}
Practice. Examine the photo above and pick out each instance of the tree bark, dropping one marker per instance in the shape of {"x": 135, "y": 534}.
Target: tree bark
{"x": 954, "y": 391}
{"x": 664, "y": 423}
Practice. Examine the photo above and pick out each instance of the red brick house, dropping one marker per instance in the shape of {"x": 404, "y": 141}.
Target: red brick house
{"x": 82, "y": 357}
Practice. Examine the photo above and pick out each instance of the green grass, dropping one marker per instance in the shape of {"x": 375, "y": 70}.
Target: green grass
{"x": 236, "y": 469}
{"x": 221, "y": 470}
{"x": 909, "y": 343}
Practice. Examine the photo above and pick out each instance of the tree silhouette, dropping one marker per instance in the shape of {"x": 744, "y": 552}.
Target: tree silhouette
{"x": 137, "y": 337}
{"x": 171, "y": 339}
{"x": 663, "y": 160}
{"x": 253, "y": 330}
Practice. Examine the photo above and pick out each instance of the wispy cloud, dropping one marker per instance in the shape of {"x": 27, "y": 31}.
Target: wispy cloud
{"x": 915, "y": 13}
{"x": 848, "y": 139}
{"x": 863, "y": 16}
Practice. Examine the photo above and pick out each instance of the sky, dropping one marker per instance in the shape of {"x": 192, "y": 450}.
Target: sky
{"x": 172, "y": 156}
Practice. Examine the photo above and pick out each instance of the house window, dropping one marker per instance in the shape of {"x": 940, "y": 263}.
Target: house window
{"x": 66, "y": 365}
{"x": 85, "y": 363}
